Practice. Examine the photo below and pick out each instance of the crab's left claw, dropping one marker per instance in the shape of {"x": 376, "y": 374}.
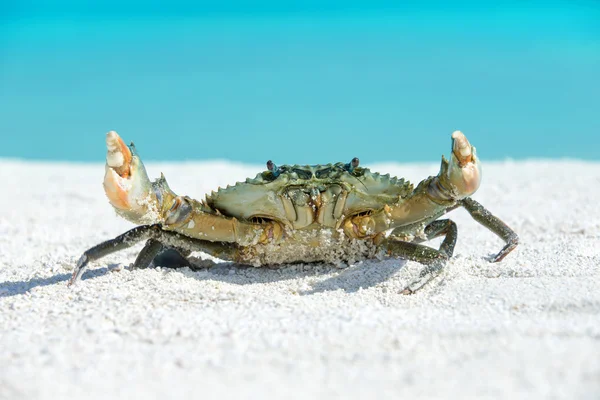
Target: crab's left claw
{"x": 126, "y": 182}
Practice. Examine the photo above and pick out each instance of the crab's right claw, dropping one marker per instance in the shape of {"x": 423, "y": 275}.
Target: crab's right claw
{"x": 126, "y": 183}
{"x": 464, "y": 171}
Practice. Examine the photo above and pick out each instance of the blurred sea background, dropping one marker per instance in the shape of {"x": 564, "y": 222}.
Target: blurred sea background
{"x": 300, "y": 82}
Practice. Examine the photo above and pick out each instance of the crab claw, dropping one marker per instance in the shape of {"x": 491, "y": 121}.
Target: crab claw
{"x": 464, "y": 171}
{"x": 126, "y": 182}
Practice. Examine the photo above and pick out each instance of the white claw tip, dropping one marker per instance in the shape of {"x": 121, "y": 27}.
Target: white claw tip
{"x": 462, "y": 147}
{"x": 455, "y": 135}
{"x": 114, "y": 156}
{"x": 112, "y": 141}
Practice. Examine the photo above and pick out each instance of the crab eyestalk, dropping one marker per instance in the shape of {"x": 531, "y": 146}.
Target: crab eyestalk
{"x": 273, "y": 168}
{"x": 352, "y": 165}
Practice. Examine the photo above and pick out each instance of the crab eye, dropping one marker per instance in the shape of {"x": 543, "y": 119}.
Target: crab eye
{"x": 273, "y": 168}
{"x": 352, "y": 164}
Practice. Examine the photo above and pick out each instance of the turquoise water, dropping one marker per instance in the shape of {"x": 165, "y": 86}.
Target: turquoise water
{"x": 325, "y": 81}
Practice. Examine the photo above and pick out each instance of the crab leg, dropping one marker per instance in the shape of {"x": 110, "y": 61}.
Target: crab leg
{"x": 165, "y": 256}
{"x": 441, "y": 227}
{"x": 145, "y": 257}
{"x": 143, "y": 202}
{"x": 156, "y": 236}
{"x": 433, "y": 197}
{"x": 494, "y": 224}
{"x": 121, "y": 242}
{"x": 434, "y": 260}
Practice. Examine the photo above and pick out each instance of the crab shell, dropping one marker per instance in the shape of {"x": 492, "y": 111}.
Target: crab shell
{"x": 301, "y": 197}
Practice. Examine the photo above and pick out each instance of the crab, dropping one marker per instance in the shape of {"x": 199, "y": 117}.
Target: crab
{"x": 334, "y": 213}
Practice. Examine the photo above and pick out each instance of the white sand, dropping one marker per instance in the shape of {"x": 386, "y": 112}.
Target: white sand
{"x": 528, "y": 327}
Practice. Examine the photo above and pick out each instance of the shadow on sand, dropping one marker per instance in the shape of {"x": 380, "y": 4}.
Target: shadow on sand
{"x": 15, "y": 288}
{"x": 357, "y": 277}
{"x": 322, "y": 277}
{"x": 350, "y": 279}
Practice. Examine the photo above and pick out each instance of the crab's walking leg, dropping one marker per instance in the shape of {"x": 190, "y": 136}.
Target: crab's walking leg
{"x": 121, "y": 242}
{"x": 157, "y": 237}
{"x": 442, "y": 227}
{"x": 494, "y": 224}
{"x": 155, "y": 252}
{"x": 145, "y": 257}
{"x": 434, "y": 260}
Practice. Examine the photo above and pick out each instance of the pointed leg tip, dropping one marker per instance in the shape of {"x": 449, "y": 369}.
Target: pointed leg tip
{"x": 79, "y": 269}
{"x": 73, "y": 280}
{"x": 504, "y": 252}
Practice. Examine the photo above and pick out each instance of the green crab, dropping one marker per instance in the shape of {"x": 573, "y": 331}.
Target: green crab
{"x": 293, "y": 213}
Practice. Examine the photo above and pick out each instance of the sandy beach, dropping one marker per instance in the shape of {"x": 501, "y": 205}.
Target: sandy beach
{"x": 525, "y": 328}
